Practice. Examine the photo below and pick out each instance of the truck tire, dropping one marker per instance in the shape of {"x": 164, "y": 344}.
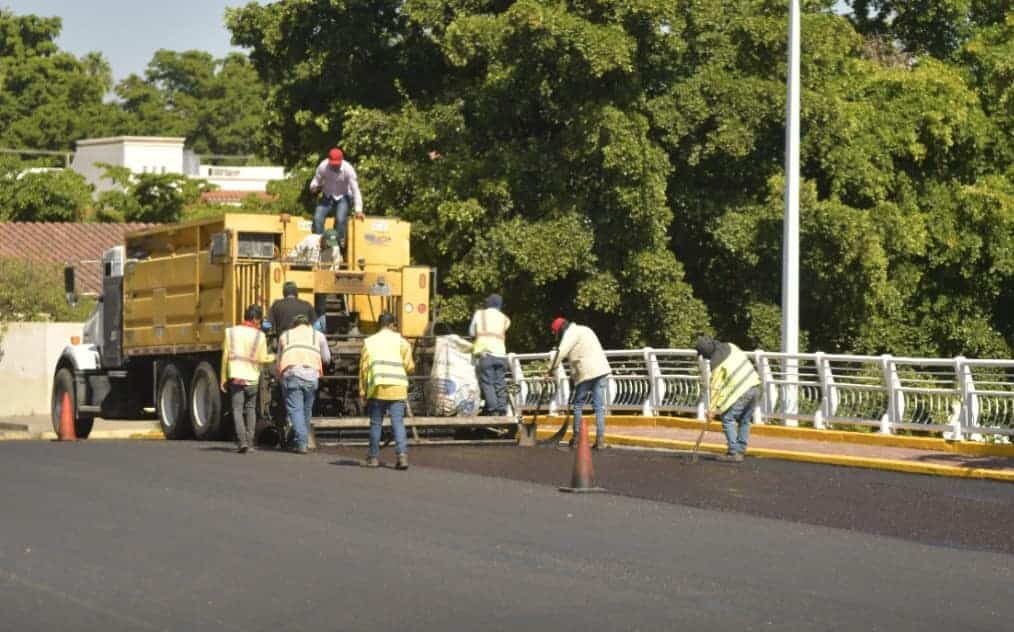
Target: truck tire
{"x": 206, "y": 404}
{"x": 63, "y": 382}
{"x": 171, "y": 402}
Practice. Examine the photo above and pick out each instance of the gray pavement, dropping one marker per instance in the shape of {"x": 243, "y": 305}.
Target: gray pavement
{"x": 182, "y": 535}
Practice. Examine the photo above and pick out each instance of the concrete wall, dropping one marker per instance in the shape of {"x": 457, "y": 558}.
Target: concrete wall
{"x": 30, "y": 352}
{"x": 140, "y": 154}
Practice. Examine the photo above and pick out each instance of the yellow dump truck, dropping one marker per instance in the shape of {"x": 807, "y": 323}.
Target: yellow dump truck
{"x": 155, "y": 338}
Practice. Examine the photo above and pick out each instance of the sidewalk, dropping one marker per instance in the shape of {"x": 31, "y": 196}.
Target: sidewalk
{"x": 40, "y": 427}
{"x": 849, "y": 449}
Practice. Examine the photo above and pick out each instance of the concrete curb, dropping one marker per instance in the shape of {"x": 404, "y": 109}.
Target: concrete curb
{"x": 6, "y": 426}
{"x": 891, "y": 465}
{"x": 96, "y": 435}
{"x": 966, "y": 448}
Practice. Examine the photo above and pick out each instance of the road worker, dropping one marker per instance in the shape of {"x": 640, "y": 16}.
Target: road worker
{"x": 302, "y": 355}
{"x": 338, "y": 185}
{"x": 384, "y": 366}
{"x": 732, "y": 393}
{"x": 489, "y": 328}
{"x": 284, "y": 310}
{"x": 590, "y": 370}
{"x": 244, "y": 350}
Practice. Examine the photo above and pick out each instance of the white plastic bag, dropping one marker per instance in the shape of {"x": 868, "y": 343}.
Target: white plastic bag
{"x": 453, "y": 387}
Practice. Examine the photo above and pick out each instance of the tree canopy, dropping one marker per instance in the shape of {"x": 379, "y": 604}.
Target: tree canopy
{"x": 624, "y": 160}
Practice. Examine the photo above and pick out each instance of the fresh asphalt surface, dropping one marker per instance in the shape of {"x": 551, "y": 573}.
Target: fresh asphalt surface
{"x": 189, "y": 536}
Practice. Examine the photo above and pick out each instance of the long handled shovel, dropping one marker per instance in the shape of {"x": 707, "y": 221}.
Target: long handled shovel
{"x": 700, "y": 437}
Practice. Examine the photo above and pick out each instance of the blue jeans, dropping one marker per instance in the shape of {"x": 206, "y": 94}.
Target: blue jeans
{"x": 325, "y": 205}
{"x": 377, "y": 408}
{"x": 492, "y": 373}
{"x": 299, "y": 396}
{"x": 596, "y": 387}
{"x": 738, "y": 417}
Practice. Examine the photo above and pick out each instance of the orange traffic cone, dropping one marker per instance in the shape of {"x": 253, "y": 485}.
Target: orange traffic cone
{"x": 67, "y": 432}
{"x": 581, "y": 481}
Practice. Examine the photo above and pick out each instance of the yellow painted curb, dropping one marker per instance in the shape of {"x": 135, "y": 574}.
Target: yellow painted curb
{"x": 15, "y": 435}
{"x": 965, "y": 448}
{"x": 145, "y": 435}
{"x": 816, "y": 457}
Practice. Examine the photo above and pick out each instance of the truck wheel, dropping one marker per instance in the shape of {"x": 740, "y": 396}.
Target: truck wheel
{"x": 63, "y": 382}
{"x": 206, "y": 403}
{"x": 171, "y": 402}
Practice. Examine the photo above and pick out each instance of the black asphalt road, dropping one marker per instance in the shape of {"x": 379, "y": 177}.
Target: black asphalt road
{"x": 187, "y": 536}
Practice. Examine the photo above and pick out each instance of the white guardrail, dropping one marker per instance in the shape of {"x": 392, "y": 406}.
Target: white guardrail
{"x": 957, "y": 398}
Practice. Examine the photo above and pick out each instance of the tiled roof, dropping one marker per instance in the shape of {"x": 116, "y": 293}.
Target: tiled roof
{"x": 233, "y": 197}
{"x": 63, "y": 243}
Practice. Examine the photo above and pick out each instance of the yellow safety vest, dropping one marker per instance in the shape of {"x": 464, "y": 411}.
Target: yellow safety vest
{"x": 243, "y": 360}
{"x": 490, "y": 331}
{"x": 385, "y": 366}
{"x": 732, "y": 379}
{"x": 299, "y": 348}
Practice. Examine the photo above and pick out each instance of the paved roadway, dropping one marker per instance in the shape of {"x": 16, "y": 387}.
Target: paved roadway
{"x": 173, "y": 536}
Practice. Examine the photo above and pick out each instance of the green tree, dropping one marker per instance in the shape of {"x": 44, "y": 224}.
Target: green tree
{"x": 32, "y": 291}
{"x": 49, "y": 98}
{"x": 217, "y": 105}
{"x": 147, "y": 197}
{"x": 26, "y": 195}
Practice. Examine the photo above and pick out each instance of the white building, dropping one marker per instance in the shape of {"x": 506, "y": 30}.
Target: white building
{"x": 155, "y": 154}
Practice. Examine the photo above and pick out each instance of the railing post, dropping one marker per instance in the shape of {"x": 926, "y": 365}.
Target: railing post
{"x": 704, "y": 403}
{"x": 653, "y": 401}
{"x": 892, "y": 383}
{"x": 823, "y": 377}
{"x": 769, "y": 391}
{"x": 559, "y": 402}
{"x": 968, "y": 416}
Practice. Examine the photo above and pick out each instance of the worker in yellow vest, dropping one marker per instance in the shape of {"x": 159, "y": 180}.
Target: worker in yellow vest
{"x": 384, "y": 366}
{"x": 489, "y": 328}
{"x": 302, "y": 355}
{"x": 244, "y": 350}
{"x": 733, "y": 392}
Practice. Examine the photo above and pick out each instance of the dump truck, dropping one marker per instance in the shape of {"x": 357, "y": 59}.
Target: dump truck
{"x": 154, "y": 341}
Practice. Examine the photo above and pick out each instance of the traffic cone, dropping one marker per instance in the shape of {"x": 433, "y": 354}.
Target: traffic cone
{"x": 67, "y": 432}
{"x": 582, "y": 480}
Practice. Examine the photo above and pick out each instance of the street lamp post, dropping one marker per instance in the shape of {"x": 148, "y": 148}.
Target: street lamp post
{"x": 790, "y": 238}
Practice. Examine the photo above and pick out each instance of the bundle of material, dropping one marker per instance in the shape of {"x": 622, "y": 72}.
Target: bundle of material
{"x": 453, "y": 388}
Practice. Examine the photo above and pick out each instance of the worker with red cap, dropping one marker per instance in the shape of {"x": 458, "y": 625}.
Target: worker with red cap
{"x": 338, "y": 185}
{"x": 590, "y": 370}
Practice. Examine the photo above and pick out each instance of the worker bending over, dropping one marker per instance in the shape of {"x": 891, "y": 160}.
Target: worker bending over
{"x": 384, "y": 366}
{"x": 244, "y": 350}
{"x": 302, "y": 355}
{"x": 489, "y": 327}
{"x": 590, "y": 370}
{"x": 733, "y": 392}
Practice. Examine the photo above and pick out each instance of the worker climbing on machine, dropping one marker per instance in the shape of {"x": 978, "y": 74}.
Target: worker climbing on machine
{"x": 590, "y": 369}
{"x": 302, "y": 355}
{"x": 733, "y": 392}
{"x": 384, "y": 366}
{"x": 284, "y": 310}
{"x": 489, "y": 328}
{"x": 338, "y": 185}
{"x": 243, "y": 352}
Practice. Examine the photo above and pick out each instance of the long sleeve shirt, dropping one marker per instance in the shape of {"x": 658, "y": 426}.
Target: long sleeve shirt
{"x": 338, "y": 182}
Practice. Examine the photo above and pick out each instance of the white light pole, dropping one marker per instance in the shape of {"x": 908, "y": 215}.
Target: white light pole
{"x": 790, "y": 237}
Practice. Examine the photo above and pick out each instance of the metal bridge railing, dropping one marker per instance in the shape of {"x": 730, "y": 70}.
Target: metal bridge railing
{"x": 956, "y": 398}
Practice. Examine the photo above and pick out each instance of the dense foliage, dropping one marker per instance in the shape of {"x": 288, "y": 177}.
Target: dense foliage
{"x": 621, "y": 160}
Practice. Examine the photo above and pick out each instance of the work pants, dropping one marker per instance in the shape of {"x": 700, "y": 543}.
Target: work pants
{"x": 736, "y": 422}
{"x": 299, "y": 396}
{"x": 492, "y": 373}
{"x": 244, "y": 412}
{"x": 377, "y": 408}
{"x": 596, "y": 388}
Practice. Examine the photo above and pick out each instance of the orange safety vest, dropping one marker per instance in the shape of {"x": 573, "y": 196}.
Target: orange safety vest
{"x": 490, "y": 331}
{"x": 299, "y": 348}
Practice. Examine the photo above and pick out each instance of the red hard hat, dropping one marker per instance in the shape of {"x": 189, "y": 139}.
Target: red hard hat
{"x": 334, "y": 157}
{"x": 557, "y": 325}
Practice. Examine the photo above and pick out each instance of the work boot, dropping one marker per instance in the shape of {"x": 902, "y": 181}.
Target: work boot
{"x": 371, "y": 461}
{"x": 730, "y": 457}
{"x": 300, "y": 449}
{"x": 243, "y": 449}
{"x": 570, "y": 444}
{"x": 600, "y": 444}
{"x": 402, "y": 463}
